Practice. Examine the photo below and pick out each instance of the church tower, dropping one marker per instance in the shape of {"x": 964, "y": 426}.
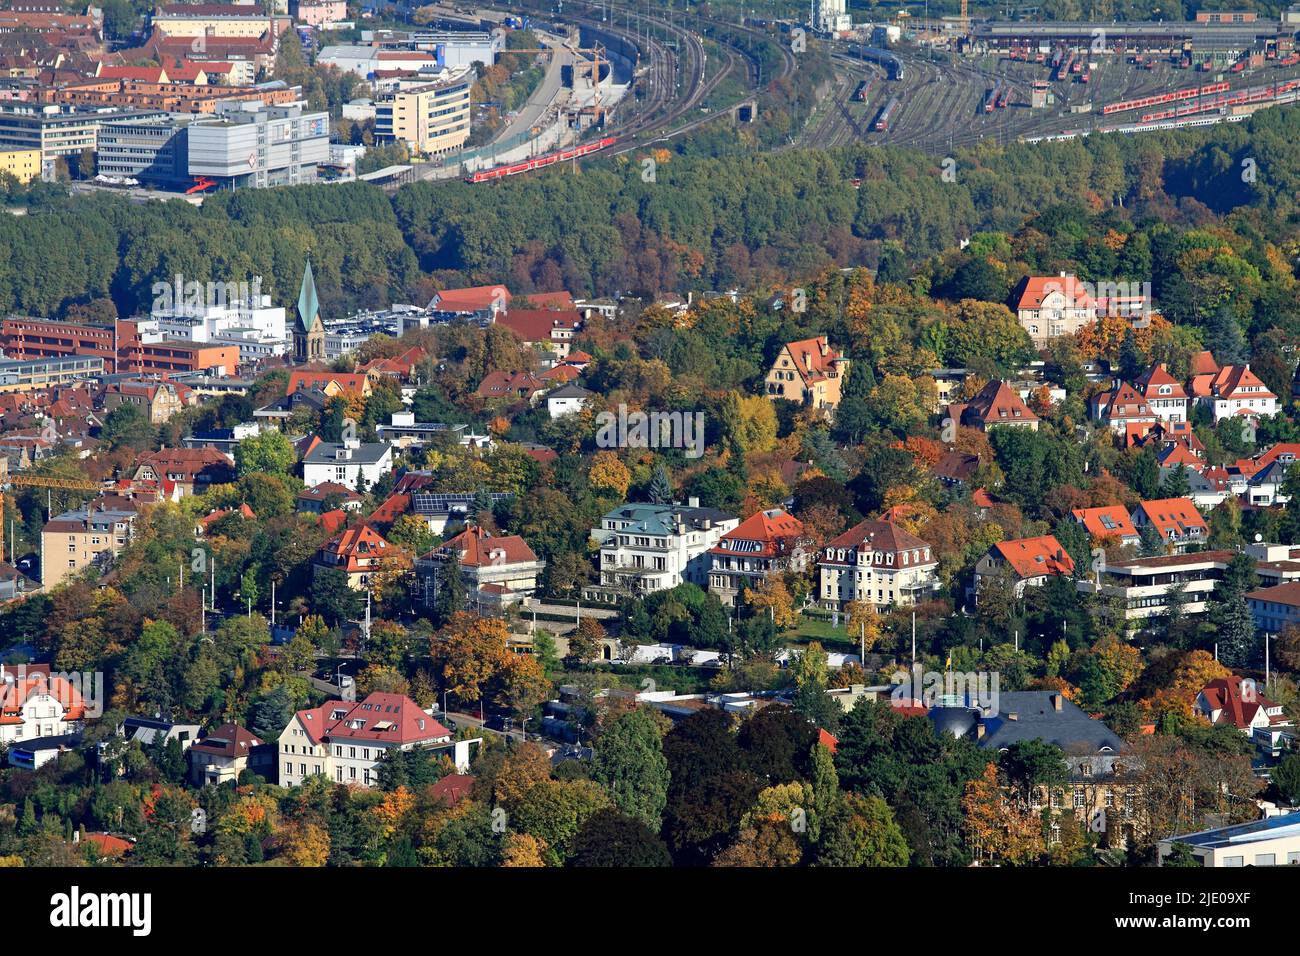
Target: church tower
{"x": 308, "y": 331}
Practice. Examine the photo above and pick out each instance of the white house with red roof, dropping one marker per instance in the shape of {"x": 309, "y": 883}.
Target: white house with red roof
{"x": 1177, "y": 521}
{"x": 1028, "y": 562}
{"x": 345, "y": 741}
{"x": 764, "y": 543}
{"x": 876, "y": 562}
{"x": 1232, "y": 390}
{"x": 1164, "y": 394}
{"x": 1239, "y": 703}
{"x": 1121, "y": 408}
{"x": 1052, "y": 306}
{"x": 35, "y": 704}
{"x": 548, "y": 329}
{"x": 498, "y": 570}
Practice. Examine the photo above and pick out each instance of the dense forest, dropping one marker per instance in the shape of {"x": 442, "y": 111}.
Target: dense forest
{"x": 741, "y": 219}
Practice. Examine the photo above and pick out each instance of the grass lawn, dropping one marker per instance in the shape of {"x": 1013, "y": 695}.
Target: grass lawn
{"x": 817, "y": 629}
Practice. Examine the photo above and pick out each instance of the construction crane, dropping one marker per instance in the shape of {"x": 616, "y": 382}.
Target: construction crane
{"x": 51, "y": 484}
{"x": 58, "y": 484}
{"x": 596, "y": 51}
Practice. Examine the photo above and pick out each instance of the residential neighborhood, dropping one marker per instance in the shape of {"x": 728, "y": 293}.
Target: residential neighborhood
{"x": 576, "y": 436}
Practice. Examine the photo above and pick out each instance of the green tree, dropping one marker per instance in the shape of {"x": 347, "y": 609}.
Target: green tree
{"x": 268, "y": 453}
{"x": 629, "y": 762}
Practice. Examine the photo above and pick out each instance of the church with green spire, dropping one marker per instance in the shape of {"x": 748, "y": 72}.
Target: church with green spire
{"x": 308, "y": 331}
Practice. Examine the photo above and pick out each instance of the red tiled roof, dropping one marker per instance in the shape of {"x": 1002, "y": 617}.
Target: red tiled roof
{"x": 995, "y": 404}
{"x": 814, "y": 359}
{"x": 452, "y": 789}
{"x": 1034, "y": 289}
{"x": 387, "y": 718}
{"x": 561, "y": 374}
{"x": 474, "y": 299}
{"x": 1225, "y": 694}
{"x": 883, "y": 536}
{"x": 775, "y": 531}
{"x": 228, "y": 740}
{"x": 540, "y": 325}
{"x": 1151, "y": 381}
{"x": 392, "y": 508}
{"x": 1035, "y": 557}
{"x": 514, "y": 385}
{"x": 1109, "y": 522}
{"x": 479, "y": 549}
{"x": 349, "y": 382}
{"x": 331, "y": 521}
{"x": 1204, "y": 364}
{"x": 34, "y": 682}
{"x": 1176, "y": 515}
{"x": 354, "y": 545}
{"x": 106, "y": 844}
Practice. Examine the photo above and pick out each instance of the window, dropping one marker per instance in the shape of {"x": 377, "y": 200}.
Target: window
{"x": 1234, "y": 861}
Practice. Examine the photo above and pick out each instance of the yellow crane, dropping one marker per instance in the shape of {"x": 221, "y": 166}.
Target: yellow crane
{"x": 51, "y": 484}
{"x": 58, "y": 484}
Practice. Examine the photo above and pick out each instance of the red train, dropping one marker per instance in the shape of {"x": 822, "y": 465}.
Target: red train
{"x": 1258, "y": 94}
{"x": 540, "y": 162}
{"x": 1176, "y": 95}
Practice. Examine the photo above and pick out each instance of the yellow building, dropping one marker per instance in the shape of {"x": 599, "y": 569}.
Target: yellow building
{"x": 809, "y": 372}
{"x": 23, "y": 164}
{"x": 431, "y": 119}
{"x": 242, "y": 21}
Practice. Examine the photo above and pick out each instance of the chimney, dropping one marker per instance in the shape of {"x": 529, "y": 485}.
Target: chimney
{"x": 1057, "y": 702}
{"x": 980, "y": 730}
{"x": 1013, "y": 716}
{"x": 807, "y": 360}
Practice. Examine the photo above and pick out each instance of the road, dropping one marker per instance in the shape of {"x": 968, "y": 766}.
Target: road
{"x": 544, "y": 96}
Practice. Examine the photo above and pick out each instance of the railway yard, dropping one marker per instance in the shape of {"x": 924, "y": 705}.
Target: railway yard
{"x": 941, "y": 101}
{"x": 691, "y": 70}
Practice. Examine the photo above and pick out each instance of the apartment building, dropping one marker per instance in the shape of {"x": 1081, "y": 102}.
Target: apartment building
{"x": 22, "y": 164}
{"x": 653, "y": 547}
{"x": 1141, "y": 586}
{"x": 74, "y": 540}
{"x": 1052, "y": 306}
{"x": 765, "y": 543}
{"x": 431, "y": 118}
{"x": 229, "y": 20}
{"x": 876, "y": 562}
{"x": 345, "y": 741}
{"x": 497, "y": 570}
{"x": 355, "y": 464}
